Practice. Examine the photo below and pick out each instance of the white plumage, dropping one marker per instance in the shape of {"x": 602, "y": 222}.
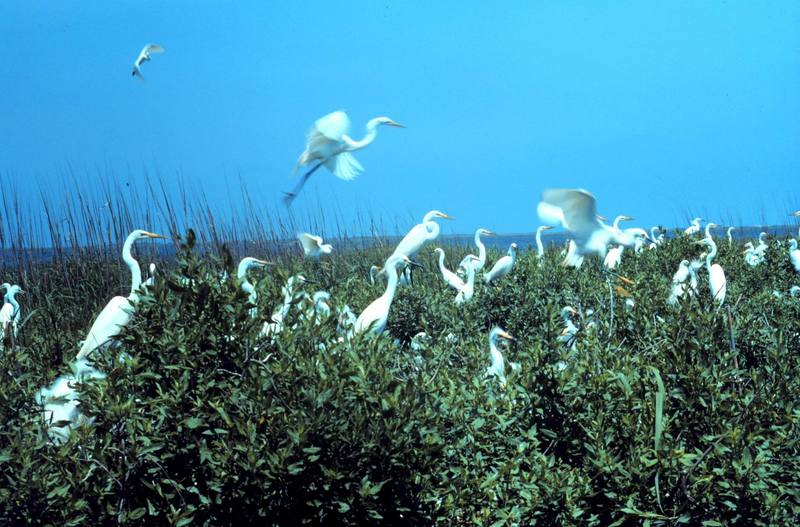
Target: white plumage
{"x": 313, "y": 246}
{"x": 502, "y": 266}
{"x": 144, "y": 56}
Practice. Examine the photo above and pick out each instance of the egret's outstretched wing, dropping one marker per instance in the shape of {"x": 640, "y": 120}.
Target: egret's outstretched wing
{"x": 344, "y": 166}
{"x": 309, "y": 242}
{"x": 153, "y": 48}
{"x": 117, "y": 313}
{"x": 575, "y": 209}
{"x": 323, "y": 140}
{"x": 333, "y": 126}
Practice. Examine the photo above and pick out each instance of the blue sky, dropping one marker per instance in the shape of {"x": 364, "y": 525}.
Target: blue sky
{"x": 661, "y": 109}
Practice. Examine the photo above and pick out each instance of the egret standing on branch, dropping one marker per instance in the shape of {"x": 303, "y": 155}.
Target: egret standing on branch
{"x": 470, "y": 259}
{"x": 539, "y": 244}
{"x": 143, "y": 57}
{"x": 375, "y": 316}
{"x": 502, "y": 266}
{"x": 717, "y": 283}
{"x": 329, "y": 144}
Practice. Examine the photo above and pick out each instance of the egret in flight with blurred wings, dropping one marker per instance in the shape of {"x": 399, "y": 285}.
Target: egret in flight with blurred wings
{"x": 313, "y": 246}
{"x": 329, "y": 144}
{"x": 143, "y": 57}
{"x": 119, "y": 310}
{"x": 576, "y": 211}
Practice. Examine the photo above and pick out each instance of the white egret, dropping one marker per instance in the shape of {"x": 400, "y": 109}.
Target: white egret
{"x": 730, "y": 236}
{"x": 751, "y": 257}
{"x": 613, "y": 257}
{"x": 502, "y": 266}
{"x": 290, "y": 297}
{"x": 313, "y": 246}
{"x": 151, "y": 279}
{"x": 328, "y": 143}
{"x": 420, "y": 234}
{"x": 119, "y": 310}
{"x": 717, "y": 283}
{"x": 465, "y": 293}
{"x": 620, "y": 218}
{"x": 143, "y": 57}
{"x": 498, "y": 366}
{"x": 694, "y": 228}
{"x": 678, "y": 282}
{"x": 794, "y": 254}
{"x": 450, "y": 278}
{"x": 539, "y": 244}
{"x": 794, "y": 291}
{"x": 481, "y": 259}
{"x": 656, "y": 239}
{"x": 10, "y": 312}
{"x": 241, "y": 273}
{"x": 373, "y": 319}
{"x": 571, "y": 258}
{"x": 570, "y": 330}
{"x": 318, "y": 309}
{"x": 576, "y": 211}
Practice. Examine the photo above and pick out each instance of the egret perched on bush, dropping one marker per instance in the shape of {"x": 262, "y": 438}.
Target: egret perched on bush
{"x": 468, "y": 289}
{"x": 613, "y": 257}
{"x": 241, "y": 273}
{"x": 570, "y": 330}
{"x": 420, "y": 234}
{"x": 717, "y": 283}
{"x": 144, "y": 56}
{"x": 119, "y": 310}
{"x": 678, "y": 282}
{"x": 480, "y": 261}
{"x": 730, "y": 236}
{"x": 694, "y": 228}
{"x": 502, "y": 266}
{"x": 794, "y": 254}
{"x": 539, "y": 244}
{"x": 313, "y": 246}
{"x": 10, "y": 312}
{"x": 328, "y": 143}
{"x": 375, "y": 316}
{"x": 290, "y": 297}
{"x": 450, "y": 278}
{"x": 576, "y": 211}
{"x": 498, "y": 366}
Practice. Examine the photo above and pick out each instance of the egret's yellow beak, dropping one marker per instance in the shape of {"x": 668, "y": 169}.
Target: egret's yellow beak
{"x": 546, "y": 227}
{"x": 505, "y": 335}
{"x": 264, "y": 262}
{"x": 153, "y": 235}
{"x": 601, "y": 217}
{"x": 487, "y": 232}
{"x": 396, "y": 125}
{"x": 445, "y": 216}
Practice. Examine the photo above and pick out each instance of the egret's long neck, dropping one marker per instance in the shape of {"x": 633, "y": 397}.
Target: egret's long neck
{"x": 391, "y": 285}
{"x": 539, "y": 246}
{"x": 441, "y": 262}
{"x": 12, "y": 299}
{"x": 653, "y": 234}
{"x": 471, "y": 276}
{"x": 481, "y": 248}
{"x": 369, "y": 137}
{"x": 497, "y": 358}
{"x": 133, "y": 265}
{"x": 711, "y": 254}
{"x": 433, "y": 230}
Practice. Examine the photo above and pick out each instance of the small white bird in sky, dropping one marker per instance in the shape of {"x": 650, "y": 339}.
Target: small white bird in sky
{"x": 503, "y": 266}
{"x": 143, "y": 57}
{"x": 313, "y": 246}
{"x": 328, "y": 143}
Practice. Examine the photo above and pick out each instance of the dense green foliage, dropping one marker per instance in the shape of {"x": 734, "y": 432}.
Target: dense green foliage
{"x": 658, "y": 416}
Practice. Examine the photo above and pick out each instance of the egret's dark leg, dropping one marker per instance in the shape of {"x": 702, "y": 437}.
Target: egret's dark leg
{"x": 291, "y": 195}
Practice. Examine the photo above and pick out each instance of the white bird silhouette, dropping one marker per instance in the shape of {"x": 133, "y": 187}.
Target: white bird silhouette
{"x": 143, "y": 57}
{"x": 313, "y": 246}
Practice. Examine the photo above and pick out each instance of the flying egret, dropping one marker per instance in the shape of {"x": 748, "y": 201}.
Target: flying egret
{"x": 694, "y": 228}
{"x": 10, "y": 312}
{"x": 539, "y": 244}
{"x": 576, "y": 211}
{"x": 794, "y": 254}
{"x": 313, "y": 246}
{"x": 450, "y": 278}
{"x": 373, "y": 319}
{"x": 465, "y": 293}
{"x": 481, "y": 259}
{"x": 730, "y": 236}
{"x": 143, "y": 57}
{"x": 328, "y": 143}
{"x": 498, "y": 366}
{"x": 678, "y": 282}
{"x": 502, "y": 266}
{"x": 717, "y": 283}
{"x": 119, "y": 310}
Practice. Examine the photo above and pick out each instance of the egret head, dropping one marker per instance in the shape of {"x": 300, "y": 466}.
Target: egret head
{"x": 546, "y": 227}
{"x": 567, "y": 312}
{"x": 684, "y": 263}
{"x": 497, "y": 332}
{"x": 139, "y": 234}
{"x": 796, "y": 214}
{"x": 485, "y": 232}
{"x": 388, "y": 122}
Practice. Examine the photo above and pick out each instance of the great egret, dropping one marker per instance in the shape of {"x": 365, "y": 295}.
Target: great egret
{"x": 539, "y": 244}
{"x": 143, "y": 57}
{"x": 119, "y": 310}
{"x": 730, "y": 236}
{"x": 373, "y": 319}
{"x": 405, "y": 275}
{"x": 481, "y": 259}
{"x": 420, "y": 234}
{"x": 794, "y": 291}
{"x": 10, "y": 312}
{"x": 794, "y": 254}
{"x": 313, "y": 246}
{"x": 498, "y": 366}
{"x": 241, "y": 273}
{"x": 656, "y": 239}
{"x": 328, "y": 143}
{"x": 751, "y": 257}
{"x": 613, "y": 257}
{"x": 570, "y": 330}
{"x": 502, "y": 266}
{"x": 290, "y": 297}
{"x": 694, "y": 228}
{"x": 576, "y": 211}
{"x": 450, "y": 278}
{"x": 318, "y": 309}
{"x": 466, "y": 292}
{"x": 678, "y": 282}
{"x": 717, "y": 283}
